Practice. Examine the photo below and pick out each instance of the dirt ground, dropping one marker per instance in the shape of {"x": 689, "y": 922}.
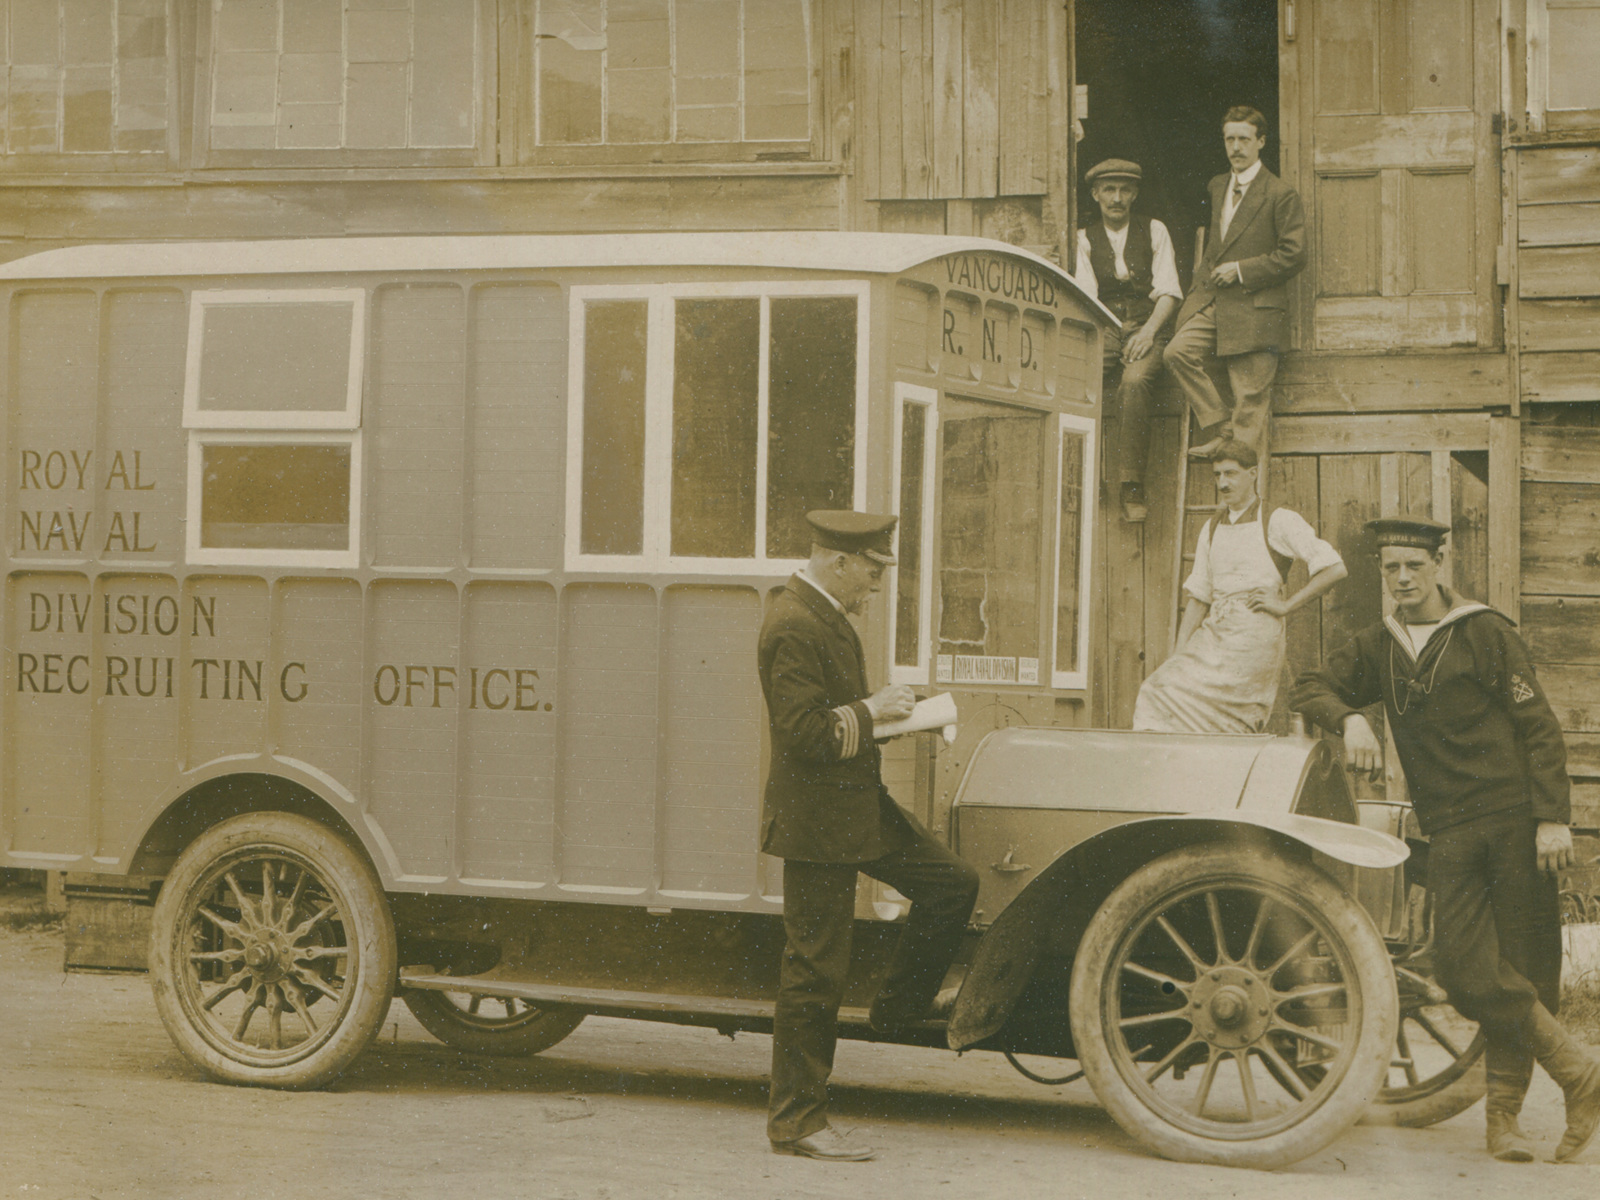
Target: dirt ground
{"x": 96, "y": 1103}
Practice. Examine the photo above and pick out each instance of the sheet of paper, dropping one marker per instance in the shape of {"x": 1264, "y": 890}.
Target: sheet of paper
{"x": 936, "y": 712}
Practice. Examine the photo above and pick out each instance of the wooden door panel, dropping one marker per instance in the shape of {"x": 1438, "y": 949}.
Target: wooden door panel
{"x": 1353, "y": 143}
{"x": 1399, "y": 173}
{"x": 1396, "y": 322}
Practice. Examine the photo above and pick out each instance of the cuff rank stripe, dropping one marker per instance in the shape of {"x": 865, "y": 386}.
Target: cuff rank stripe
{"x": 849, "y": 731}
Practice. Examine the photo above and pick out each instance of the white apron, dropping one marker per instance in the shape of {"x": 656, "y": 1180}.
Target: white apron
{"x": 1225, "y": 678}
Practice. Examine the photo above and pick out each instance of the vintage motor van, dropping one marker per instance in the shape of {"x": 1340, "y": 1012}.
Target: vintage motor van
{"x": 395, "y": 601}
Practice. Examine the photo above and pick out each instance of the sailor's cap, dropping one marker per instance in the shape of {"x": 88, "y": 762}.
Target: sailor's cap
{"x": 1408, "y": 531}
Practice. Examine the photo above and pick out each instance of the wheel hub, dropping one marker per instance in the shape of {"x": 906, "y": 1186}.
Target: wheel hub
{"x": 268, "y": 956}
{"x": 1231, "y": 1007}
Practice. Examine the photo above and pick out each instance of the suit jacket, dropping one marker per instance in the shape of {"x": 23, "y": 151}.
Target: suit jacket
{"x": 825, "y": 800}
{"x": 1267, "y": 238}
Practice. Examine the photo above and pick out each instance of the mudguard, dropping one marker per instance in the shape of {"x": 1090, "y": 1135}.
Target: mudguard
{"x": 1049, "y": 917}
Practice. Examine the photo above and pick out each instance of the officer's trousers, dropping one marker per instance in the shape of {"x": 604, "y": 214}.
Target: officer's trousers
{"x": 819, "y": 920}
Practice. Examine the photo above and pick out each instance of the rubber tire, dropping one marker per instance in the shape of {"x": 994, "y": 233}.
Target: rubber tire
{"x": 368, "y": 923}
{"x": 1373, "y": 977}
{"x": 435, "y": 1013}
{"x": 1451, "y": 1100}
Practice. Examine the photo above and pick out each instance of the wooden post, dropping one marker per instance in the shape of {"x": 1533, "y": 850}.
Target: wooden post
{"x": 1505, "y": 515}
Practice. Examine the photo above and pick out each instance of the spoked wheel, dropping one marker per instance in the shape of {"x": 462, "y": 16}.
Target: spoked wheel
{"x": 490, "y": 1024}
{"x": 1233, "y": 1007}
{"x": 272, "y": 952}
{"x": 1438, "y": 1065}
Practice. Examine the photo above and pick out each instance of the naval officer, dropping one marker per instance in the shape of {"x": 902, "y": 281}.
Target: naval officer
{"x": 828, "y": 815}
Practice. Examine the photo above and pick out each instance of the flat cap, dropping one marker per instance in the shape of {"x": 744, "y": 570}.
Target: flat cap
{"x": 1115, "y": 168}
{"x": 1408, "y": 531}
{"x": 870, "y": 534}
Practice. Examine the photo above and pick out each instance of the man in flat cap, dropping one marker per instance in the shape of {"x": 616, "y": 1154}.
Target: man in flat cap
{"x": 1238, "y": 309}
{"x": 1486, "y": 766}
{"x": 828, "y": 816}
{"x": 1126, "y": 260}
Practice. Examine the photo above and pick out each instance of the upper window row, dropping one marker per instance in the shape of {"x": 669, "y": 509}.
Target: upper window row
{"x": 411, "y": 82}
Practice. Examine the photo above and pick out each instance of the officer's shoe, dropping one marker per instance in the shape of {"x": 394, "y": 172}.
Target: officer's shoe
{"x": 1578, "y": 1073}
{"x": 827, "y": 1145}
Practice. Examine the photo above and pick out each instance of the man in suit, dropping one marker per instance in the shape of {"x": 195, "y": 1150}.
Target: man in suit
{"x": 1126, "y": 261}
{"x": 828, "y": 816}
{"x": 1238, "y": 309}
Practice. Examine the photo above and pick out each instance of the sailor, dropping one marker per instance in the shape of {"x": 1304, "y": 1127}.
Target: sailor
{"x": 1223, "y": 673}
{"x": 1486, "y": 767}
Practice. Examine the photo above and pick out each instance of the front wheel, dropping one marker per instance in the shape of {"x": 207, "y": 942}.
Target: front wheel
{"x": 272, "y": 952}
{"x": 1233, "y": 1006}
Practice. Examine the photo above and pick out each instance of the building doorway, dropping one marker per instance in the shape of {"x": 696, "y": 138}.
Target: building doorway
{"x": 1160, "y": 74}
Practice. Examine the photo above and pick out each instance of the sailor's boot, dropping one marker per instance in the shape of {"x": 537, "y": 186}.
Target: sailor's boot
{"x": 1505, "y": 1139}
{"x": 1578, "y": 1073}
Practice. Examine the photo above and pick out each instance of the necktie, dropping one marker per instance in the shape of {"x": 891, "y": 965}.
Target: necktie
{"x": 1238, "y": 192}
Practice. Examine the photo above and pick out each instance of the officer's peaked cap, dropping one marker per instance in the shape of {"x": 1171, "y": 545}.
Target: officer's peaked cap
{"x": 870, "y": 534}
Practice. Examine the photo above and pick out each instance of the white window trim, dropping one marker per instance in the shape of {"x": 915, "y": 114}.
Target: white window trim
{"x": 199, "y": 555}
{"x": 656, "y": 557}
{"x": 1067, "y": 422}
{"x": 913, "y": 395}
{"x": 347, "y": 418}
{"x": 1537, "y": 45}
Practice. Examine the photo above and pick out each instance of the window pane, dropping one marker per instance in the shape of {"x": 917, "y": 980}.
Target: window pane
{"x": 294, "y": 497}
{"x": 571, "y": 43}
{"x": 989, "y": 570}
{"x": 707, "y": 66}
{"x": 777, "y": 93}
{"x": 714, "y": 418}
{"x": 290, "y": 357}
{"x": 908, "y": 592}
{"x": 1575, "y": 57}
{"x": 1067, "y": 599}
{"x": 811, "y": 415}
{"x": 613, "y": 427}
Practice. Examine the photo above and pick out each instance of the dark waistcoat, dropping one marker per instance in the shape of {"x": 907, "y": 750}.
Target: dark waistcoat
{"x": 1129, "y": 298}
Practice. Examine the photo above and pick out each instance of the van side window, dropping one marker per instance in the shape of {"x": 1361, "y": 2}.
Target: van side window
{"x": 1073, "y": 469}
{"x": 705, "y": 426}
{"x": 915, "y": 439}
{"x": 272, "y": 401}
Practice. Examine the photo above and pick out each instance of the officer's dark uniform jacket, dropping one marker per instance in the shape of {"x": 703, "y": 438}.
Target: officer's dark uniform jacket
{"x": 1129, "y": 298}
{"x": 825, "y": 800}
{"x": 1473, "y": 729}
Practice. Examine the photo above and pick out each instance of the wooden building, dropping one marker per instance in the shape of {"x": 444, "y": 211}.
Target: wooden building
{"x": 1447, "y": 328}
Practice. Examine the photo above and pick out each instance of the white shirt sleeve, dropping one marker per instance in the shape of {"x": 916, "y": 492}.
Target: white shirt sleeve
{"x": 1083, "y": 273}
{"x": 1289, "y": 533}
{"x": 1165, "y": 268}
{"x": 1198, "y": 584}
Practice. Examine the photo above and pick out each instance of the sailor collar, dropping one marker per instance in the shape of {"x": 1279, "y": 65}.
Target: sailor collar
{"x": 1459, "y": 609}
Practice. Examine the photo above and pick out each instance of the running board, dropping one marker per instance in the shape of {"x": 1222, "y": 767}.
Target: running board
{"x": 724, "y": 1013}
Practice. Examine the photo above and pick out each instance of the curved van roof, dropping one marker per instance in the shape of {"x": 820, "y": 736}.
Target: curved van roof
{"x": 860, "y": 253}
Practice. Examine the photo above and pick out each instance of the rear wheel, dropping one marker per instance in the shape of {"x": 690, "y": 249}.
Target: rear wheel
{"x": 272, "y": 952}
{"x": 1233, "y": 1007}
{"x": 1438, "y": 1065}
{"x": 490, "y": 1024}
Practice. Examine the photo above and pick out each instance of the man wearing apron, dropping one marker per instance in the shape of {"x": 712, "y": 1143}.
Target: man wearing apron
{"x": 1223, "y": 674}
